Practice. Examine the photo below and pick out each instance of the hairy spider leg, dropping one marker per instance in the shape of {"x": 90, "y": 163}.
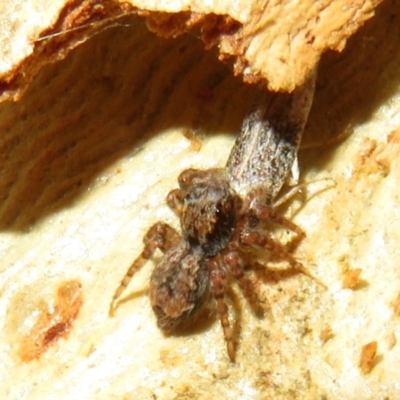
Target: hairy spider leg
{"x": 218, "y": 281}
{"x": 160, "y": 236}
{"x": 253, "y": 238}
{"x": 235, "y": 264}
{"x": 301, "y": 186}
{"x": 292, "y": 192}
{"x": 264, "y": 213}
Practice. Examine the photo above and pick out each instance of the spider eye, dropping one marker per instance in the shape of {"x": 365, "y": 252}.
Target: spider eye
{"x": 185, "y": 179}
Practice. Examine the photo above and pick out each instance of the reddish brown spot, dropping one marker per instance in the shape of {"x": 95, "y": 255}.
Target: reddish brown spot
{"x": 195, "y": 142}
{"x": 54, "y": 333}
{"x": 396, "y": 304}
{"x": 326, "y": 334}
{"x": 377, "y": 157}
{"x": 368, "y": 354}
{"x": 217, "y": 26}
{"x": 351, "y": 278}
{"x": 52, "y": 323}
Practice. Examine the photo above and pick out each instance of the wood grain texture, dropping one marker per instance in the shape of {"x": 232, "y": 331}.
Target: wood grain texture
{"x": 88, "y": 155}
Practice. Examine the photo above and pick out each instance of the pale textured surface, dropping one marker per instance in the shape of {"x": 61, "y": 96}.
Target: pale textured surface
{"x": 237, "y": 9}
{"x": 289, "y": 37}
{"x": 280, "y": 41}
{"x": 277, "y": 42}
{"x": 86, "y": 165}
{"x": 17, "y": 30}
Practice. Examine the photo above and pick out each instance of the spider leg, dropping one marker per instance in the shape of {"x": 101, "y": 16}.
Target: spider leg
{"x": 218, "y": 280}
{"x": 268, "y": 213}
{"x": 236, "y": 267}
{"x": 292, "y": 192}
{"x": 302, "y": 186}
{"x": 159, "y": 236}
{"x": 254, "y": 238}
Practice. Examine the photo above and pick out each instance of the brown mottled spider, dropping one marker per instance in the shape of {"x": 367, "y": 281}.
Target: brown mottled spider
{"x": 222, "y": 214}
{"x": 219, "y": 228}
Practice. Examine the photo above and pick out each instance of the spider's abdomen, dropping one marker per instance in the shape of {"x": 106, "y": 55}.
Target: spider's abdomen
{"x": 179, "y": 287}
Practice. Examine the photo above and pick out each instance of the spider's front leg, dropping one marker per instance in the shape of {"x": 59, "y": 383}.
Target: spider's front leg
{"x": 175, "y": 201}
{"x": 175, "y": 197}
{"x": 159, "y": 236}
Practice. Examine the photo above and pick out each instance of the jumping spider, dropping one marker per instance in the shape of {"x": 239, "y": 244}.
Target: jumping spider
{"x": 218, "y": 228}
{"x": 222, "y": 214}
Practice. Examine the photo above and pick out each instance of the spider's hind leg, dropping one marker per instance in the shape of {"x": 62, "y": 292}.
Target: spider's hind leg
{"x": 235, "y": 264}
{"x": 159, "y": 236}
{"x": 218, "y": 281}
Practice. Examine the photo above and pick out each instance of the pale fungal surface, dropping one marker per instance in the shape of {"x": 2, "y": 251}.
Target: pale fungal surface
{"x": 88, "y": 154}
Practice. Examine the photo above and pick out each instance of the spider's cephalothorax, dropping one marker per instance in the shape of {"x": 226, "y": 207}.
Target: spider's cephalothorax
{"x": 207, "y": 207}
